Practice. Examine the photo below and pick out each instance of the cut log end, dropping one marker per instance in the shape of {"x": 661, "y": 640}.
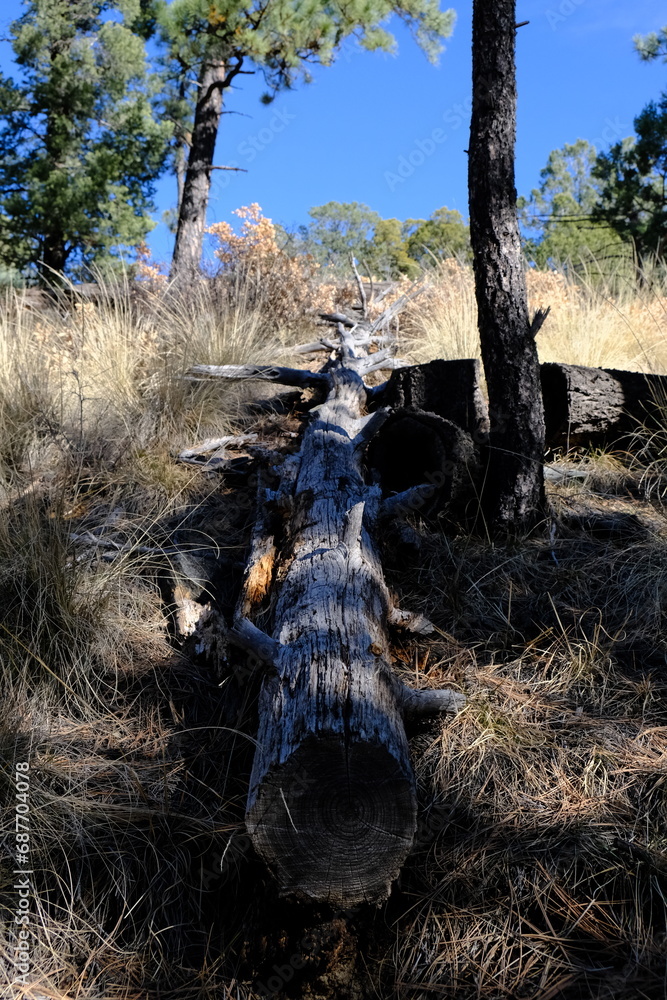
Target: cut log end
{"x": 335, "y": 822}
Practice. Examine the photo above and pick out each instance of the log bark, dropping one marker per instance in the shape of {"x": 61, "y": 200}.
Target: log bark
{"x": 332, "y": 803}
{"x": 599, "y": 406}
{"x": 514, "y": 492}
{"x": 593, "y": 407}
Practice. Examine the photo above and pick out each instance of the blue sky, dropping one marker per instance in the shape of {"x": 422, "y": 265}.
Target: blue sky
{"x": 391, "y": 131}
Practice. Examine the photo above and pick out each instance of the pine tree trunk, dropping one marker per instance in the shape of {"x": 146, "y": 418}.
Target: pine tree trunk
{"x": 194, "y": 200}
{"x": 53, "y": 258}
{"x": 514, "y": 484}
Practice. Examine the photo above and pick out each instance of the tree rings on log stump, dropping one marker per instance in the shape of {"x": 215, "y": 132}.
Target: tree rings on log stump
{"x": 334, "y": 822}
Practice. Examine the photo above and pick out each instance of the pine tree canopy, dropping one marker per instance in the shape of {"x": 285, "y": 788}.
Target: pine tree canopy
{"x": 653, "y": 45}
{"x": 80, "y": 145}
{"x": 283, "y": 36}
{"x": 633, "y": 176}
{"x": 559, "y": 211}
{"x": 445, "y": 234}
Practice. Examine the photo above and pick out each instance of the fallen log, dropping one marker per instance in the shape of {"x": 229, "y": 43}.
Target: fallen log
{"x": 332, "y": 805}
{"x": 582, "y": 406}
{"x": 432, "y": 451}
{"x": 599, "y": 406}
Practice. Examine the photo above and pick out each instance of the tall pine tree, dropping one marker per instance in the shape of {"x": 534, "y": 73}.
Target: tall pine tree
{"x": 80, "y": 145}
{"x": 633, "y": 173}
{"x": 213, "y": 41}
{"x": 633, "y": 176}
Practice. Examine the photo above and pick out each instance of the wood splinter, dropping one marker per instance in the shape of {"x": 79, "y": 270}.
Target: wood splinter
{"x": 332, "y": 805}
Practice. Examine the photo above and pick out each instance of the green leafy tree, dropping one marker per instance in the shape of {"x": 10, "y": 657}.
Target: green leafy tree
{"x": 80, "y": 146}
{"x": 216, "y": 40}
{"x": 559, "y": 212}
{"x": 633, "y": 174}
{"x": 633, "y": 179}
{"x": 338, "y": 230}
{"x": 389, "y": 257}
{"x": 444, "y": 234}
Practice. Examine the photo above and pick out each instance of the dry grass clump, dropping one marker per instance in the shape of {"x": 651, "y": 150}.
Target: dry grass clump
{"x": 100, "y": 382}
{"x": 442, "y": 321}
{"x": 93, "y": 410}
{"x": 597, "y": 320}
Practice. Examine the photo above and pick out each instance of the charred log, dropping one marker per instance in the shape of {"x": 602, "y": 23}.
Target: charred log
{"x": 599, "y": 406}
{"x": 450, "y": 389}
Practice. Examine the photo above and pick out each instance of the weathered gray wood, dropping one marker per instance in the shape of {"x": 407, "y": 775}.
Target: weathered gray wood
{"x": 598, "y": 406}
{"x": 249, "y": 637}
{"x": 427, "y": 702}
{"x": 410, "y": 621}
{"x": 265, "y": 373}
{"x": 331, "y": 804}
{"x": 214, "y": 448}
{"x": 332, "y": 801}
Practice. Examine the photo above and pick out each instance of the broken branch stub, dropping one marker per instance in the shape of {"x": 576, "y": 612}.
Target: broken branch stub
{"x": 332, "y": 805}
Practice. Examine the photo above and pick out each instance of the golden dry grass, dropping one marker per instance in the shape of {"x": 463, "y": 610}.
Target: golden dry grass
{"x": 595, "y": 320}
{"x": 539, "y": 865}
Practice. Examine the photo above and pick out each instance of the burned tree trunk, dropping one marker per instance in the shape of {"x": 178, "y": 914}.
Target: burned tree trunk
{"x": 332, "y": 802}
{"x": 514, "y": 491}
